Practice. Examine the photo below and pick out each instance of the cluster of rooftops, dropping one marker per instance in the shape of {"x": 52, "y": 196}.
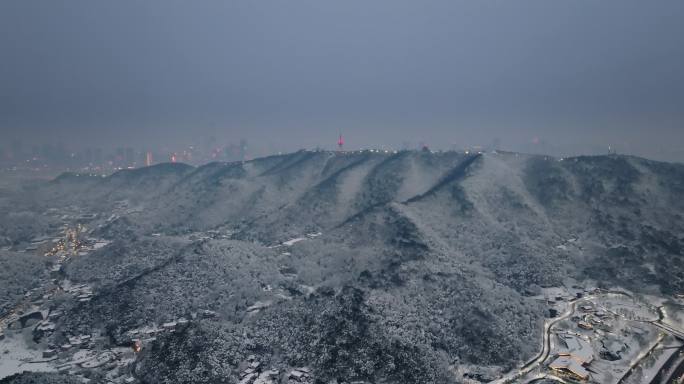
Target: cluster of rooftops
{"x": 574, "y": 356}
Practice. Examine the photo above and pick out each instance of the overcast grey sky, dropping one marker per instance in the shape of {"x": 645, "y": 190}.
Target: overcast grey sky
{"x": 577, "y": 75}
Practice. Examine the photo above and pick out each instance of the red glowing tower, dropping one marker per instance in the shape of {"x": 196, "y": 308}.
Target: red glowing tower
{"x": 340, "y": 142}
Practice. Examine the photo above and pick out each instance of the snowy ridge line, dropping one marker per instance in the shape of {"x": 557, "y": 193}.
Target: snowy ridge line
{"x": 112, "y": 290}
{"x": 333, "y": 178}
{"x": 456, "y": 173}
{"x": 289, "y": 163}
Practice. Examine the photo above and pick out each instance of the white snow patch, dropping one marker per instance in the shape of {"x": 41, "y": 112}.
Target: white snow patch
{"x": 20, "y": 358}
{"x": 293, "y": 241}
{"x": 100, "y": 244}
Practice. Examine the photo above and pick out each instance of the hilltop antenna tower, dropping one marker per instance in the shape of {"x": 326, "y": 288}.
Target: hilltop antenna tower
{"x": 340, "y": 143}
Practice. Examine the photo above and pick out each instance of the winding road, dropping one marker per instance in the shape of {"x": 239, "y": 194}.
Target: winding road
{"x": 546, "y": 346}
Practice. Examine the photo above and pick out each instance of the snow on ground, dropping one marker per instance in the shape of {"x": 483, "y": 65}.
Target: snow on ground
{"x": 650, "y": 365}
{"x": 100, "y": 243}
{"x": 349, "y": 186}
{"x": 505, "y": 173}
{"x": 293, "y": 241}
{"x": 629, "y": 308}
{"x": 418, "y": 179}
{"x": 673, "y": 316}
{"x": 17, "y": 357}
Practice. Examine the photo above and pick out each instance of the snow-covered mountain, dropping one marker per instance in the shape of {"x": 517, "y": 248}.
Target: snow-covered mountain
{"x": 365, "y": 265}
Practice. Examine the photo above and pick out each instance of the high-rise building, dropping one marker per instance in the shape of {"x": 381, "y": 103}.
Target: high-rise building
{"x": 243, "y": 149}
{"x": 120, "y": 157}
{"x": 88, "y": 156}
{"x": 17, "y": 150}
{"x": 98, "y": 158}
{"x": 130, "y": 157}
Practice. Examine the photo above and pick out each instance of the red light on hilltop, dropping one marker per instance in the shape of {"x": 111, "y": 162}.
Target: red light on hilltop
{"x": 340, "y": 142}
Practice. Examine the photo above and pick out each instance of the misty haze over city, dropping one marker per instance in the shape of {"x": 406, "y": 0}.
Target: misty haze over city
{"x": 341, "y": 192}
{"x": 560, "y": 78}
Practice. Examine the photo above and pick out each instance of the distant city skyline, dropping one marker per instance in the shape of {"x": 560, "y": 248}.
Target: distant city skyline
{"x": 204, "y": 150}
